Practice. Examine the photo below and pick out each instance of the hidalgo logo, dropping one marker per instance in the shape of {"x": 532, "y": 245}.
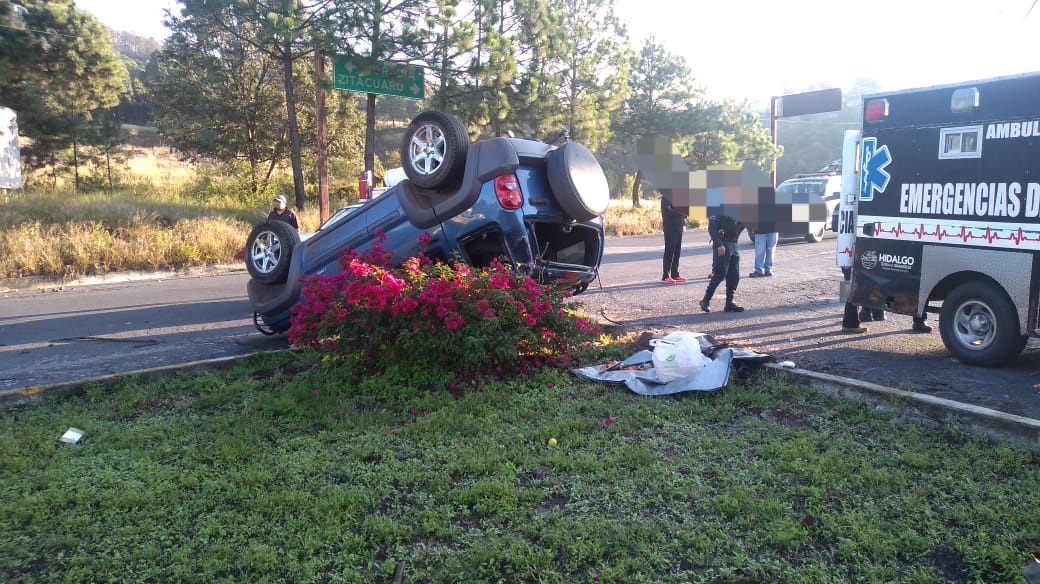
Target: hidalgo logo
{"x": 887, "y": 258}
{"x": 869, "y": 259}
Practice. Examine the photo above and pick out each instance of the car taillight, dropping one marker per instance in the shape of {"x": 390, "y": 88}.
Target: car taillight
{"x": 507, "y": 189}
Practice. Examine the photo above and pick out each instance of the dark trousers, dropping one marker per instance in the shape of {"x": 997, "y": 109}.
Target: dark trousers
{"x": 725, "y": 267}
{"x": 851, "y": 317}
{"x": 672, "y": 250}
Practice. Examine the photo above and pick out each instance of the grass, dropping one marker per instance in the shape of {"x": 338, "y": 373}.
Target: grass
{"x": 285, "y": 469}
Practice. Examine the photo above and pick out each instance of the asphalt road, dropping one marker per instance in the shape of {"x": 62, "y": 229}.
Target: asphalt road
{"x": 54, "y": 335}
{"x": 76, "y": 331}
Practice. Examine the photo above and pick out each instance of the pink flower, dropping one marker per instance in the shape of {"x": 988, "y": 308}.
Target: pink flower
{"x": 608, "y": 420}
{"x": 453, "y": 321}
{"x": 315, "y": 392}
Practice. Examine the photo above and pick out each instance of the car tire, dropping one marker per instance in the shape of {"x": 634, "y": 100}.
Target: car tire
{"x": 979, "y": 325}
{"x": 433, "y": 151}
{"x": 816, "y": 236}
{"x": 578, "y": 182}
{"x": 269, "y": 251}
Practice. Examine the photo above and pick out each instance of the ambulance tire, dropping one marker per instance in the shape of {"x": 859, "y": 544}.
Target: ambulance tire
{"x": 979, "y": 325}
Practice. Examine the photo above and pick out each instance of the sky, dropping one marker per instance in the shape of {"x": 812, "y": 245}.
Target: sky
{"x": 755, "y": 49}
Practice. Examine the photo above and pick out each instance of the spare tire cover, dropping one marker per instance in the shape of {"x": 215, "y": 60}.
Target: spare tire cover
{"x": 578, "y": 182}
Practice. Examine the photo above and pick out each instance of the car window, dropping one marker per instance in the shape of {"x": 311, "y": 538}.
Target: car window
{"x": 803, "y": 187}
{"x": 348, "y": 210}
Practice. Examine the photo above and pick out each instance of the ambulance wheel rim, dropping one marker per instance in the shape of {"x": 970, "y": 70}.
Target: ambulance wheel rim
{"x": 975, "y": 325}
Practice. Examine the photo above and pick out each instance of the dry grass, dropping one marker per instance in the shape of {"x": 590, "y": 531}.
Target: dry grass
{"x": 622, "y": 218}
{"x": 85, "y": 247}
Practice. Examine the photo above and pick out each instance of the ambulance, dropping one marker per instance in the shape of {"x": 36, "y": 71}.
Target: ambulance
{"x": 940, "y": 211}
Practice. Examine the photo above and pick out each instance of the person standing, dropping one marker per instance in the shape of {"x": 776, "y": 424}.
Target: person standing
{"x": 850, "y": 322}
{"x": 283, "y": 213}
{"x": 725, "y": 265}
{"x": 673, "y": 220}
{"x": 765, "y": 250}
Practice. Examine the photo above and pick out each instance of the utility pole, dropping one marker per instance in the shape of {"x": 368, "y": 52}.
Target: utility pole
{"x": 323, "y": 147}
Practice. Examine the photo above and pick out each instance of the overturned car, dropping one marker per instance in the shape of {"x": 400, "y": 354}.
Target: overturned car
{"x": 533, "y": 205}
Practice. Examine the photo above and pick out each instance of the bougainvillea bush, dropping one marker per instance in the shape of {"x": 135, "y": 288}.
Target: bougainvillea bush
{"x": 438, "y": 317}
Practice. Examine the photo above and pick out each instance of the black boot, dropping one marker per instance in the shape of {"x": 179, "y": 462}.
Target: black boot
{"x": 730, "y": 307}
{"x": 705, "y": 302}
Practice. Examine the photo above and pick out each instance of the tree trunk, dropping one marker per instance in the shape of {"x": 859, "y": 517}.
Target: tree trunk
{"x": 108, "y": 165}
{"x": 294, "y": 126}
{"x": 75, "y": 155}
{"x": 635, "y": 188}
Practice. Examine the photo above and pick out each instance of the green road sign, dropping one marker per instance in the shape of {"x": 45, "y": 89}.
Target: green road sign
{"x": 382, "y": 77}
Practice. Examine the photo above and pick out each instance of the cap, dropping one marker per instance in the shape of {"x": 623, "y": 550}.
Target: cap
{"x": 281, "y": 199}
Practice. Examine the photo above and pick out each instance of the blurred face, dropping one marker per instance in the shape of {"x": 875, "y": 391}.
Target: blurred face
{"x": 279, "y": 205}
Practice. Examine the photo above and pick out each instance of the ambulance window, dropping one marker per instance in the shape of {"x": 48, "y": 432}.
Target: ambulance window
{"x": 964, "y": 100}
{"x": 962, "y": 142}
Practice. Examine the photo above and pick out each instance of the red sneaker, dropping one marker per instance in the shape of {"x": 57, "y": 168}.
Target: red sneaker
{"x": 668, "y": 281}
{"x": 678, "y": 279}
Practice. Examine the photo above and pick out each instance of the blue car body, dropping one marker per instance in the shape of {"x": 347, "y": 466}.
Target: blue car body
{"x": 539, "y": 238}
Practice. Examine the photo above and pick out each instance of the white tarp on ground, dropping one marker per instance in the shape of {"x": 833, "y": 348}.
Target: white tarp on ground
{"x": 10, "y": 158}
{"x": 640, "y": 377}
{"x": 713, "y": 376}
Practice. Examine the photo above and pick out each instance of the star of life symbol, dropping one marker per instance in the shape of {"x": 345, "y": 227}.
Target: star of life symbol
{"x": 874, "y": 176}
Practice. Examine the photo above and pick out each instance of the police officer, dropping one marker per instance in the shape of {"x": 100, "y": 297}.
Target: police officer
{"x": 725, "y": 265}
{"x": 673, "y": 220}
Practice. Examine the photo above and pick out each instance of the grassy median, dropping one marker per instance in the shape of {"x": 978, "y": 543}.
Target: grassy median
{"x": 285, "y": 470}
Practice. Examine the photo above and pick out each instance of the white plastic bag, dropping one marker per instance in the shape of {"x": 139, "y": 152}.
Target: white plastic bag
{"x": 677, "y": 356}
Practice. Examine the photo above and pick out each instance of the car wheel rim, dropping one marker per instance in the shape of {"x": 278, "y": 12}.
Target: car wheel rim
{"x": 975, "y": 325}
{"x": 266, "y": 252}
{"x": 427, "y": 149}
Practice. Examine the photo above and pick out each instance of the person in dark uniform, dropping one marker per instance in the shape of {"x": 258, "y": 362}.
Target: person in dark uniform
{"x": 673, "y": 220}
{"x": 725, "y": 265}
